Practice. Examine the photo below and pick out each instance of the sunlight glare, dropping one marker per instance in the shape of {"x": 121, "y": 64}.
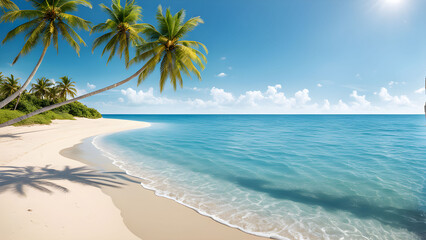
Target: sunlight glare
{"x": 393, "y": 2}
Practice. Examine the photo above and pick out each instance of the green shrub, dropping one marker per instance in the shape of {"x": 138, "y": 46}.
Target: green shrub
{"x": 37, "y": 119}
{"x": 57, "y": 115}
{"x": 6, "y": 115}
{"x": 44, "y": 118}
{"x": 78, "y": 109}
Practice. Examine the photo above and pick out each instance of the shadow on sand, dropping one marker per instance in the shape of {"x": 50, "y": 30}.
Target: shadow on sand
{"x": 18, "y": 135}
{"x": 17, "y": 179}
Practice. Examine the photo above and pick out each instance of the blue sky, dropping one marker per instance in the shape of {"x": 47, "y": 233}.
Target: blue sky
{"x": 265, "y": 56}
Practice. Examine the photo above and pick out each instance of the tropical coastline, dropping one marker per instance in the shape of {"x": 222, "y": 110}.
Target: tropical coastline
{"x": 54, "y": 196}
{"x": 306, "y": 122}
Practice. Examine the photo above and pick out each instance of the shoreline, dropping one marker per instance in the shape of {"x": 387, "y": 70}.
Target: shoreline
{"x": 49, "y": 195}
{"x": 80, "y": 152}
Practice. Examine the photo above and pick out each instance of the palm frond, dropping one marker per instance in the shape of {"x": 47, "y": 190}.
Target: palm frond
{"x": 7, "y": 4}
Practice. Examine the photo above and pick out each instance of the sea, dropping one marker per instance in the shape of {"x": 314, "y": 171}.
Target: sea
{"x": 285, "y": 176}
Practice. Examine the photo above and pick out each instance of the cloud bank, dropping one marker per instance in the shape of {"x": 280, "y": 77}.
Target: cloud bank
{"x": 272, "y": 99}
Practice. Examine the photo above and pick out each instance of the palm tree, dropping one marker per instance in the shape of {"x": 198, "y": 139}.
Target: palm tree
{"x": 166, "y": 46}
{"x": 176, "y": 55}
{"x": 47, "y": 20}
{"x": 7, "y": 4}
{"x": 9, "y": 85}
{"x": 66, "y": 88}
{"x": 123, "y": 29}
{"x": 53, "y": 93}
{"x": 41, "y": 89}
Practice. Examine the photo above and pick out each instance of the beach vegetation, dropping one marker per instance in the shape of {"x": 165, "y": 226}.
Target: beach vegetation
{"x": 45, "y": 22}
{"x": 45, "y": 118}
{"x": 44, "y": 94}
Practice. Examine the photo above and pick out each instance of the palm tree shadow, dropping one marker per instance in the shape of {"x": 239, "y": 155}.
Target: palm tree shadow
{"x": 414, "y": 220}
{"x": 18, "y": 135}
{"x": 18, "y": 179}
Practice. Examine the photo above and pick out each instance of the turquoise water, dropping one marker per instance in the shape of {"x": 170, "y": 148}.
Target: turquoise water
{"x": 286, "y": 176}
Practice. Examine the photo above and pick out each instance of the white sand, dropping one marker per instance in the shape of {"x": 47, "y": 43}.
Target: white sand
{"x": 83, "y": 212}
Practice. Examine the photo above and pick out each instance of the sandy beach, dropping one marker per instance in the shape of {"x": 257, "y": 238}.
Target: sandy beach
{"x": 47, "y": 191}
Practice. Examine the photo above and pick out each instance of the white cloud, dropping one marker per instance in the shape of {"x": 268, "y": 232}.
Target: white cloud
{"x": 80, "y": 92}
{"x": 319, "y": 85}
{"x": 277, "y": 97}
{"x": 273, "y": 97}
{"x": 148, "y": 97}
{"x": 360, "y": 101}
{"x": 302, "y": 96}
{"x": 198, "y": 103}
{"x": 223, "y": 58}
{"x": 341, "y": 106}
{"x": 53, "y": 81}
{"x": 420, "y": 91}
{"x": 222, "y": 75}
{"x": 393, "y": 83}
{"x": 398, "y": 100}
{"x": 91, "y": 86}
{"x": 326, "y": 105}
{"x": 251, "y": 97}
{"x": 121, "y": 99}
{"x": 220, "y": 96}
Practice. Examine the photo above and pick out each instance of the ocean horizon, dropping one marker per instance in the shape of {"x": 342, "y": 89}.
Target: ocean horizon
{"x": 285, "y": 176}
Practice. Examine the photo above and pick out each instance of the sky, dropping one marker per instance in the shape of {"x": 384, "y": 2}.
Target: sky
{"x": 265, "y": 56}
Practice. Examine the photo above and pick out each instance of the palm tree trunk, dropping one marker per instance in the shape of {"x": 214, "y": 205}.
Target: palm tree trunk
{"x": 17, "y": 102}
{"x": 14, "y": 95}
{"x": 41, "y": 110}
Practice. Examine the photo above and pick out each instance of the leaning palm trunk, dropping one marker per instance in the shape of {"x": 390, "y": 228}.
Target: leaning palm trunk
{"x": 17, "y": 93}
{"x": 17, "y": 102}
{"x": 41, "y": 110}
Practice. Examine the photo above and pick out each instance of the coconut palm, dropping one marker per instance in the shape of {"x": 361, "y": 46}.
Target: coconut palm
{"x": 53, "y": 93}
{"x": 7, "y": 4}
{"x": 66, "y": 88}
{"x": 166, "y": 45}
{"x": 123, "y": 29}
{"x": 9, "y": 85}
{"x": 41, "y": 88}
{"x": 48, "y": 20}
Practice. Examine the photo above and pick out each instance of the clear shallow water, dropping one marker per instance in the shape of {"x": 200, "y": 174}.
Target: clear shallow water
{"x": 286, "y": 176}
